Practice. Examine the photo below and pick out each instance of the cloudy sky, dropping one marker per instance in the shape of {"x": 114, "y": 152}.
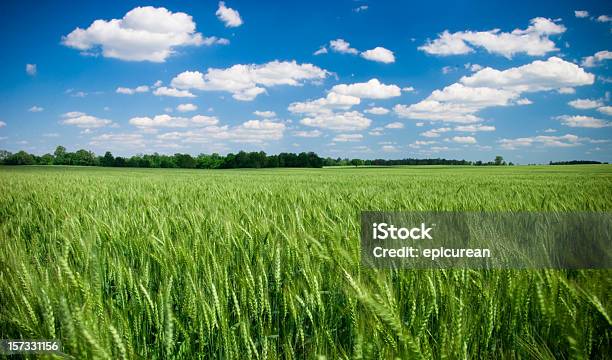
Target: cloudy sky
{"x": 530, "y": 80}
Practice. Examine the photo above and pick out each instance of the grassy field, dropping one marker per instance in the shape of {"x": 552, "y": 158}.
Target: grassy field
{"x": 153, "y": 263}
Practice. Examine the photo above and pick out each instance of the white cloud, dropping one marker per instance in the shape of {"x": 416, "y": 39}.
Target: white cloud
{"x": 389, "y": 148}
{"x": 377, "y": 111}
{"x": 83, "y": 120}
{"x": 31, "y": 69}
{"x": 474, "y": 128}
{"x": 308, "y": 134}
{"x": 361, "y": 8}
{"x": 597, "y": 59}
{"x": 165, "y": 91}
{"x": 408, "y": 89}
{"x": 435, "y": 132}
{"x": 448, "y": 69}
{"x": 347, "y": 137}
{"x": 605, "y": 110}
{"x": 2, "y": 124}
{"x": 265, "y": 114}
{"x": 50, "y": 135}
{"x": 585, "y": 103}
{"x": 131, "y": 91}
{"x": 394, "y": 125}
{"x": 186, "y": 107}
{"x": 373, "y": 89}
{"x": 464, "y": 139}
{"x": 166, "y": 120}
{"x": 549, "y": 130}
{"x": 245, "y": 82}
{"x": 566, "y": 90}
{"x": 604, "y": 18}
{"x": 524, "y": 101}
{"x": 345, "y": 121}
{"x": 472, "y": 67}
{"x": 322, "y": 50}
{"x": 341, "y": 46}
{"x": 540, "y": 75}
{"x": 325, "y": 105}
{"x": 583, "y": 121}
{"x": 229, "y": 16}
{"x": 567, "y": 140}
{"x": 581, "y": 13}
{"x": 489, "y": 87}
{"x": 417, "y": 144}
{"x": 379, "y": 54}
{"x": 532, "y": 41}
{"x": 36, "y": 109}
{"x": 129, "y": 140}
{"x": 143, "y": 34}
{"x": 252, "y": 131}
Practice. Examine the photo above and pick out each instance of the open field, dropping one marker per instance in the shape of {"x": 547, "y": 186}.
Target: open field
{"x": 154, "y": 263}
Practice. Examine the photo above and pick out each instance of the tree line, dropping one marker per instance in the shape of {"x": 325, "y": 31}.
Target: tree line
{"x": 241, "y": 159}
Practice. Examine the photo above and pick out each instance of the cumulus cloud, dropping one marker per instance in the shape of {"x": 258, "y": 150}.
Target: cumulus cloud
{"x": 581, "y": 13}
{"x": 604, "y": 18}
{"x": 83, "y": 120}
{"x": 333, "y": 101}
{"x": 118, "y": 140}
{"x": 582, "y": 121}
{"x": 433, "y": 133}
{"x": 186, "y": 107}
{"x": 342, "y": 46}
{"x": 229, "y": 16}
{"x": 166, "y": 91}
{"x": 394, "y": 125}
{"x": 265, "y": 114}
{"x": 585, "y": 103}
{"x": 245, "y": 82}
{"x": 567, "y": 140}
{"x": 132, "y": 91}
{"x": 36, "y": 109}
{"x": 379, "y": 54}
{"x": 377, "y": 111}
{"x": 474, "y": 128}
{"x": 343, "y": 121}
{"x": 31, "y": 69}
{"x": 605, "y": 110}
{"x": 372, "y": 89}
{"x": 489, "y": 87}
{"x": 2, "y": 124}
{"x": 534, "y": 40}
{"x": 143, "y": 34}
{"x": 307, "y": 134}
{"x": 597, "y": 58}
{"x": 463, "y": 139}
{"x": 322, "y": 50}
{"x": 347, "y": 137}
{"x": 252, "y": 131}
{"x": 167, "y": 121}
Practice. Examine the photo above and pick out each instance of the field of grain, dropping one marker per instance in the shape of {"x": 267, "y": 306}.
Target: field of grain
{"x": 264, "y": 264}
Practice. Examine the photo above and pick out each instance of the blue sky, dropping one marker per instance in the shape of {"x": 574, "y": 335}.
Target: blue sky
{"x": 526, "y": 80}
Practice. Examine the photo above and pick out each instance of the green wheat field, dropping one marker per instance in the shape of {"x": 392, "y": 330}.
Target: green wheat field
{"x": 264, "y": 264}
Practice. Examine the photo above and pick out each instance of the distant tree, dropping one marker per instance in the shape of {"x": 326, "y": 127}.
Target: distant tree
{"x": 60, "y": 155}
{"x": 4, "y": 154}
{"x": 46, "y": 159}
{"x": 356, "y": 162}
{"x": 499, "y": 160}
{"x": 20, "y": 158}
{"x": 108, "y": 159}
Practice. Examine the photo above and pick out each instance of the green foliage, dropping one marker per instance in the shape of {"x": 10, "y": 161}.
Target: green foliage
{"x": 158, "y": 264}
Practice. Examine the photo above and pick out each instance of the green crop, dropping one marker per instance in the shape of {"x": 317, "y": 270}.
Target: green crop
{"x": 264, "y": 264}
